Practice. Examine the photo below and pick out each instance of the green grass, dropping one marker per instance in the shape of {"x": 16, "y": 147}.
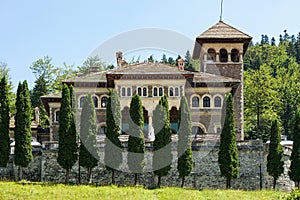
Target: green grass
{"x": 25, "y": 190}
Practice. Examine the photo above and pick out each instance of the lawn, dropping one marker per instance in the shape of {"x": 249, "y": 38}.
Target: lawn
{"x": 24, "y": 190}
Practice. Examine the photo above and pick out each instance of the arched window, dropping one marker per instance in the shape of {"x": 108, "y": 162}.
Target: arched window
{"x": 235, "y": 55}
{"x": 161, "y": 92}
{"x": 57, "y": 116}
{"x": 211, "y": 55}
{"x": 129, "y": 92}
{"x": 196, "y": 130}
{"x": 195, "y": 102}
{"x": 140, "y": 91}
{"x": 155, "y": 92}
{"x": 206, "y": 102}
{"x": 123, "y": 92}
{"x": 104, "y": 102}
{"x": 176, "y": 92}
{"x": 102, "y": 130}
{"x": 81, "y": 101}
{"x": 144, "y": 91}
{"x": 95, "y": 100}
{"x": 171, "y": 91}
{"x": 223, "y": 55}
{"x": 218, "y": 102}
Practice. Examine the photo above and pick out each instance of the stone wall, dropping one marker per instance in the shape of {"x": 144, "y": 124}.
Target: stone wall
{"x": 205, "y": 174}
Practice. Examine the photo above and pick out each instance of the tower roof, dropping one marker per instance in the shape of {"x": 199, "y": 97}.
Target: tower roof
{"x": 222, "y": 30}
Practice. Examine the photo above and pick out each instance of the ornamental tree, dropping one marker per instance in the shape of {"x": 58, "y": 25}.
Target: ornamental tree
{"x": 184, "y": 149}
{"x": 294, "y": 172}
{"x": 4, "y": 122}
{"x": 274, "y": 158}
{"x": 162, "y": 156}
{"x": 228, "y": 152}
{"x": 136, "y": 143}
{"x": 23, "y": 135}
{"x": 67, "y": 152}
{"x": 88, "y": 154}
{"x": 113, "y": 150}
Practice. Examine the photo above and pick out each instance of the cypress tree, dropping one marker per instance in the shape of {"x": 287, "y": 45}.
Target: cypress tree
{"x": 88, "y": 148}
{"x": 136, "y": 143}
{"x": 23, "y": 135}
{"x": 67, "y": 152}
{"x": 294, "y": 172}
{"x": 4, "y": 123}
{"x": 184, "y": 149}
{"x": 162, "y": 157}
{"x": 228, "y": 153}
{"x": 274, "y": 159}
{"x": 113, "y": 151}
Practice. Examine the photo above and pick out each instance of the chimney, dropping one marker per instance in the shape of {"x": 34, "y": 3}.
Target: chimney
{"x": 37, "y": 115}
{"x": 180, "y": 64}
{"x": 119, "y": 57}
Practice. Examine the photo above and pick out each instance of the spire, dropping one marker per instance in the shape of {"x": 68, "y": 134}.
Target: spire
{"x": 221, "y": 14}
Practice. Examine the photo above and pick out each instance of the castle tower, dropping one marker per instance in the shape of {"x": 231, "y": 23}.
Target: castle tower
{"x": 220, "y": 50}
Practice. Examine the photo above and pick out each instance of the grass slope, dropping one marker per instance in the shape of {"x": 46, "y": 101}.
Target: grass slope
{"x": 24, "y": 190}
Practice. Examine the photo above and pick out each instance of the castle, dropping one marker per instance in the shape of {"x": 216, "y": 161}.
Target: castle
{"x": 220, "y": 51}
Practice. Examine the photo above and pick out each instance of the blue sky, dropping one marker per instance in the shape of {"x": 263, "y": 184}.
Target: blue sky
{"x": 68, "y": 31}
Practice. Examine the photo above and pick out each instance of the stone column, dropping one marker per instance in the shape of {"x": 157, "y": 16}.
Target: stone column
{"x": 217, "y": 57}
{"x": 229, "y": 57}
{"x": 241, "y": 57}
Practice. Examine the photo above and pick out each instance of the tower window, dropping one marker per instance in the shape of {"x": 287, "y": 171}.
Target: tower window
{"x": 171, "y": 92}
{"x": 206, "y": 102}
{"x": 195, "y": 102}
{"x": 95, "y": 100}
{"x": 211, "y": 55}
{"x": 235, "y": 55}
{"x": 161, "y": 92}
{"x": 103, "y": 102}
{"x": 223, "y": 55}
{"x": 218, "y": 102}
{"x": 142, "y": 91}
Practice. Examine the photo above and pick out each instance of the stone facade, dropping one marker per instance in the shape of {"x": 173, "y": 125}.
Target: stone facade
{"x": 205, "y": 174}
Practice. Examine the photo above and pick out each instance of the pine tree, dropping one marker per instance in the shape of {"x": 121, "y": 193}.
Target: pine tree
{"x": 164, "y": 59}
{"x": 294, "y": 172}
{"x": 184, "y": 149}
{"x": 88, "y": 149}
{"x": 4, "y": 122}
{"x": 113, "y": 151}
{"x": 188, "y": 61}
{"x": 23, "y": 135}
{"x": 67, "y": 152}
{"x": 136, "y": 143}
{"x": 274, "y": 159}
{"x": 162, "y": 157}
{"x": 228, "y": 153}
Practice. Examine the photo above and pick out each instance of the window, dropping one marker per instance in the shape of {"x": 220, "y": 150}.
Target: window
{"x": 211, "y": 55}
{"x": 129, "y": 92}
{"x": 104, "y": 102}
{"x": 171, "y": 92}
{"x": 102, "y": 130}
{"x": 235, "y": 55}
{"x": 95, "y": 100}
{"x": 176, "y": 92}
{"x": 223, "y": 55}
{"x": 57, "y": 116}
{"x": 196, "y": 130}
{"x": 157, "y": 91}
{"x": 206, "y": 102}
{"x": 81, "y": 101}
{"x": 218, "y": 102}
{"x": 161, "y": 92}
{"x": 195, "y": 102}
{"x": 142, "y": 91}
{"x": 123, "y": 92}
